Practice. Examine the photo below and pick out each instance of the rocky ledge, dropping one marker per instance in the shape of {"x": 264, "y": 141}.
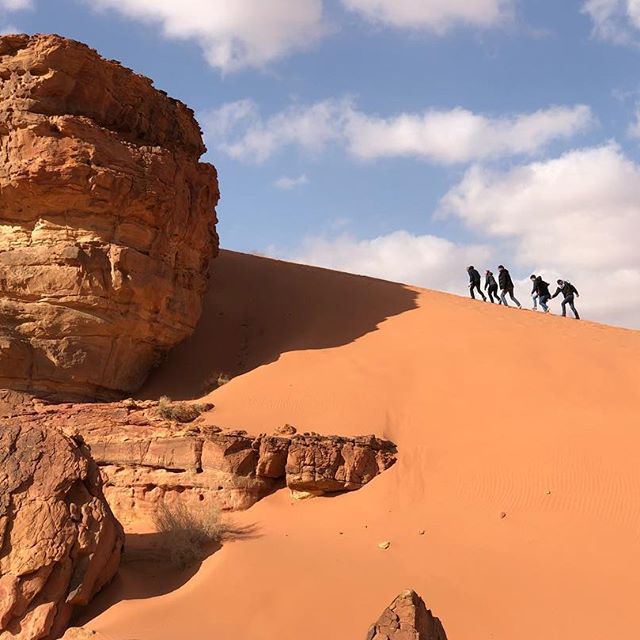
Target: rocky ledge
{"x": 147, "y": 460}
{"x": 107, "y": 220}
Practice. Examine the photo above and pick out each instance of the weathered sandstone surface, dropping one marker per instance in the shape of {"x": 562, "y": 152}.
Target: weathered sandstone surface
{"x": 59, "y": 541}
{"x": 147, "y": 460}
{"x": 407, "y": 618}
{"x": 107, "y": 220}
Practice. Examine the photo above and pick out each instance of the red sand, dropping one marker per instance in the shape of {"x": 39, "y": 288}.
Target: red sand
{"x": 493, "y": 410}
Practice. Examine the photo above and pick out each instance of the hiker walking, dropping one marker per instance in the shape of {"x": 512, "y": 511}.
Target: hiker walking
{"x": 491, "y": 286}
{"x": 534, "y": 293}
{"x": 568, "y": 292}
{"x": 540, "y": 292}
{"x": 475, "y": 282}
{"x": 506, "y": 286}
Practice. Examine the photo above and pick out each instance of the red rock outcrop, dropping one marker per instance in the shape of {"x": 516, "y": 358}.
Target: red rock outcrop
{"x": 147, "y": 460}
{"x": 59, "y": 541}
{"x": 107, "y": 220}
{"x": 407, "y": 618}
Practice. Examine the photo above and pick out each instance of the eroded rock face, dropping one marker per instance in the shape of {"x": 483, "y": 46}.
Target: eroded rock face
{"x": 407, "y": 618}
{"x": 107, "y": 220}
{"x": 147, "y": 460}
{"x": 59, "y": 541}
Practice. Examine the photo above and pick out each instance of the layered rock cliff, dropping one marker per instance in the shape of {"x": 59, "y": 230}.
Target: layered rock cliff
{"x": 107, "y": 220}
{"x": 147, "y": 460}
{"x": 59, "y": 541}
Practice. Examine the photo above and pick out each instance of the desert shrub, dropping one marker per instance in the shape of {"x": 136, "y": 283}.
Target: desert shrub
{"x": 222, "y": 379}
{"x": 188, "y": 534}
{"x": 180, "y": 411}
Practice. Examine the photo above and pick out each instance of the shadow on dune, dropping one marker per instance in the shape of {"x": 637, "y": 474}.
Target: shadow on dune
{"x": 145, "y": 573}
{"x": 258, "y": 308}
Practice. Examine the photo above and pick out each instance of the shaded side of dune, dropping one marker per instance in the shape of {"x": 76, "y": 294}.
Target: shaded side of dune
{"x": 258, "y": 308}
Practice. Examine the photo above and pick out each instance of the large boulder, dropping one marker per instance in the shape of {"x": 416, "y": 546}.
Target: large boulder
{"x": 407, "y": 618}
{"x": 59, "y": 541}
{"x": 107, "y": 220}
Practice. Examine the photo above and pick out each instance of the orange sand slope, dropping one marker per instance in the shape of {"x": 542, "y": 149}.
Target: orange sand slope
{"x": 493, "y": 410}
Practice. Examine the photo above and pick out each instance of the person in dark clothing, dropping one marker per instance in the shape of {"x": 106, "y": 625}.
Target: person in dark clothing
{"x": 541, "y": 292}
{"x": 475, "y": 282}
{"x": 568, "y": 292}
{"x": 491, "y": 286}
{"x": 534, "y": 295}
{"x": 506, "y": 286}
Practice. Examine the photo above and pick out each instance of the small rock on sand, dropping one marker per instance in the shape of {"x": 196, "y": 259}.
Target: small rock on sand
{"x": 384, "y": 545}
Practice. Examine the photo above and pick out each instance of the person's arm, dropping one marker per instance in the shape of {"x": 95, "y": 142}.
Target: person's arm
{"x": 558, "y": 290}
{"x": 575, "y": 291}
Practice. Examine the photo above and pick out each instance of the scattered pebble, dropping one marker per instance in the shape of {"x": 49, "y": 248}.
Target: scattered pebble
{"x": 341, "y": 533}
{"x": 548, "y": 492}
{"x": 384, "y": 545}
{"x": 503, "y": 514}
{"x": 421, "y": 532}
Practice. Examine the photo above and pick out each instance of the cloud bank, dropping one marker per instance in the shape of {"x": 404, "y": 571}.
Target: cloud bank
{"x": 440, "y": 136}
{"x": 233, "y": 35}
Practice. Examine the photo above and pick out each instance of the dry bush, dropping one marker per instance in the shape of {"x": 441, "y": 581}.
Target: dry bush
{"x": 215, "y": 381}
{"x": 180, "y": 411}
{"x": 188, "y": 534}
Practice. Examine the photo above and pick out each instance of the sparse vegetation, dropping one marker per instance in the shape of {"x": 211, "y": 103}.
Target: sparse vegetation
{"x": 180, "y": 411}
{"x": 188, "y": 534}
{"x": 216, "y": 380}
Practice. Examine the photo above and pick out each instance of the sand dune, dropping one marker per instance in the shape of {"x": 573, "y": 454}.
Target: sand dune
{"x": 494, "y": 411}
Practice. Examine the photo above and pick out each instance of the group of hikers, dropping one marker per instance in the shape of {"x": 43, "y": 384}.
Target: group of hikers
{"x": 540, "y": 292}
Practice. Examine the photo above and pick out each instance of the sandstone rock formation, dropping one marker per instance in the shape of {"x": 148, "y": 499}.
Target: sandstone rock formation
{"x": 147, "y": 460}
{"x": 59, "y": 541}
{"x": 107, "y": 220}
{"x": 407, "y": 618}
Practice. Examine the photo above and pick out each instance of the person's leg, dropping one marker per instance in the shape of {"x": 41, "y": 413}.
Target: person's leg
{"x": 543, "y": 303}
{"x": 503, "y": 296}
{"x": 564, "y": 307}
{"x": 535, "y": 299}
{"x": 514, "y": 299}
{"x": 471, "y": 288}
{"x": 573, "y": 308}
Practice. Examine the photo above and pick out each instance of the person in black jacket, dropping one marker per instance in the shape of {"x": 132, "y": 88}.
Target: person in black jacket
{"x": 491, "y": 286}
{"x": 475, "y": 282}
{"x": 541, "y": 292}
{"x": 506, "y": 286}
{"x": 568, "y": 292}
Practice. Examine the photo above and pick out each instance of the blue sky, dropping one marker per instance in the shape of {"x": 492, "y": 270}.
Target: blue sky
{"x": 404, "y": 139}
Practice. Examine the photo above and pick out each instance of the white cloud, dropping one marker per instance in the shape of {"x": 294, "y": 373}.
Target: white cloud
{"x": 425, "y": 260}
{"x": 460, "y": 135}
{"x": 576, "y": 217}
{"x": 287, "y": 183}
{"x": 615, "y": 20}
{"x": 239, "y": 130}
{"x": 454, "y": 136}
{"x": 9, "y": 29}
{"x": 435, "y": 15}
{"x": 16, "y": 5}
{"x": 233, "y": 35}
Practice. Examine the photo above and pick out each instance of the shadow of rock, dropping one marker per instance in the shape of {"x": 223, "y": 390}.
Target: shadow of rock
{"x": 146, "y": 573}
{"x": 258, "y": 308}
